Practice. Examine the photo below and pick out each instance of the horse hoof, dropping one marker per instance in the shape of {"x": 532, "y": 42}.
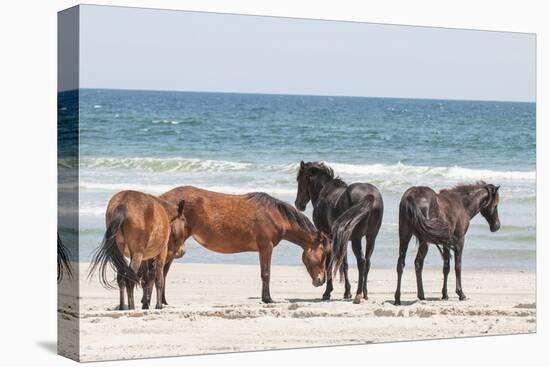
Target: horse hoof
{"x": 397, "y": 302}
{"x": 445, "y": 298}
{"x": 326, "y": 297}
{"x": 462, "y": 298}
{"x": 267, "y": 300}
{"x": 347, "y": 295}
{"x": 158, "y": 307}
{"x": 145, "y": 307}
{"x": 357, "y": 300}
{"x": 123, "y": 308}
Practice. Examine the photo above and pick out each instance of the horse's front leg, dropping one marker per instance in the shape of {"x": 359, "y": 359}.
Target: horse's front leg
{"x": 166, "y": 269}
{"x": 265, "y": 271}
{"x": 329, "y": 288}
{"x": 159, "y": 281}
{"x": 458, "y": 270}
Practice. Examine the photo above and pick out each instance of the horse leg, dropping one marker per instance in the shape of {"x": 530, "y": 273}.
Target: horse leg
{"x": 446, "y": 253}
{"x": 159, "y": 281}
{"x": 148, "y": 278}
{"x": 135, "y": 263}
{"x": 458, "y": 270}
{"x": 166, "y": 268}
{"x": 418, "y": 266}
{"x": 347, "y": 285}
{"x": 328, "y": 290}
{"x": 369, "y": 250}
{"x": 265, "y": 271}
{"x": 358, "y": 252}
{"x": 122, "y": 288}
{"x": 404, "y": 237}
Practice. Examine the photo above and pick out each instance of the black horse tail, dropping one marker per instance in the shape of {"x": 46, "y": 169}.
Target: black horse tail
{"x": 343, "y": 228}
{"x": 63, "y": 264}
{"x": 108, "y": 253}
{"x": 432, "y": 230}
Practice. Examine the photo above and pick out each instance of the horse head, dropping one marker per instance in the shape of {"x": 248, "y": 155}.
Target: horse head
{"x": 310, "y": 179}
{"x": 179, "y": 232}
{"x": 489, "y": 208}
{"x": 314, "y": 258}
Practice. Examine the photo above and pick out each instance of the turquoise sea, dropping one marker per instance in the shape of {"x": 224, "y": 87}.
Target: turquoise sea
{"x": 235, "y": 143}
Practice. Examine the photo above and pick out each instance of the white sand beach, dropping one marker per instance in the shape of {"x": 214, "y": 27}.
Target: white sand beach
{"x": 217, "y": 308}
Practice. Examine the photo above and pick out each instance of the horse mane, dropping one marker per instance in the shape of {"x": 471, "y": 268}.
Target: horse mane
{"x": 323, "y": 168}
{"x": 286, "y": 210}
{"x": 466, "y": 188}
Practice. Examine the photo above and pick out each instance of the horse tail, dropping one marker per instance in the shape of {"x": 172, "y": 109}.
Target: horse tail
{"x": 432, "y": 230}
{"x": 63, "y": 264}
{"x": 343, "y": 228}
{"x": 108, "y": 253}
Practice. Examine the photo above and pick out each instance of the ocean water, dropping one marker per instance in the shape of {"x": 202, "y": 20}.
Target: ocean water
{"x": 236, "y": 143}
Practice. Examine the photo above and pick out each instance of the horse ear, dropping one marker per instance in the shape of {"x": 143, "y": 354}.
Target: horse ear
{"x": 302, "y": 164}
{"x": 496, "y": 188}
{"x": 181, "y": 204}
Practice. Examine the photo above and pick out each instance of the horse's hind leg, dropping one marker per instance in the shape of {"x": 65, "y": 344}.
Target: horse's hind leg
{"x": 371, "y": 239}
{"x": 347, "y": 285}
{"x": 130, "y": 283}
{"x": 446, "y": 254}
{"x": 358, "y": 252}
{"x": 404, "y": 237}
{"x": 122, "y": 288}
{"x": 418, "y": 266}
{"x": 329, "y": 288}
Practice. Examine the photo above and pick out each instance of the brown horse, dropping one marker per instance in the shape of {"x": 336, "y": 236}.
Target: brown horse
{"x": 442, "y": 219}
{"x": 251, "y": 222}
{"x": 141, "y": 227}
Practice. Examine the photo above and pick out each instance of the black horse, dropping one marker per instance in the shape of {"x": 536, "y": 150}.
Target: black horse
{"x": 343, "y": 212}
{"x": 442, "y": 219}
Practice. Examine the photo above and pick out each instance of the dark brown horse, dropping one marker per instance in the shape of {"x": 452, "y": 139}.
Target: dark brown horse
{"x": 345, "y": 212}
{"x": 251, "y": 222}
{"x": 442, "y": 219}
{"x": 141, "y": 227}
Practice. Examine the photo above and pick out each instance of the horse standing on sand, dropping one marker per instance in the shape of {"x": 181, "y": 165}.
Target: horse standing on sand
{"x": 141, "y": 227}
{"x": 442, "y": 219}
{"x": 251, "y": 222}
{"x": 344, "y": 212}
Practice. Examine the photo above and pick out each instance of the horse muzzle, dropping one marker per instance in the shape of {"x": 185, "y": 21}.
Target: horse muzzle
{"x": 319, "y": 281}
{"x": 495, "y": 227}
{"x": 301, "y": 207}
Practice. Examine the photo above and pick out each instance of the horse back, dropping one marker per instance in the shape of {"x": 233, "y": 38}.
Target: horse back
{"x": 221, "y": 222}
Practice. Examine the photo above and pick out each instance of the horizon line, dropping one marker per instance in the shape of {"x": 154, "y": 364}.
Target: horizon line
{"x": 302, "y": 94}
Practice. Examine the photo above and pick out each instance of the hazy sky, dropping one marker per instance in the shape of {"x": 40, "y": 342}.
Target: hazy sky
{"x": 129, "y": 48}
